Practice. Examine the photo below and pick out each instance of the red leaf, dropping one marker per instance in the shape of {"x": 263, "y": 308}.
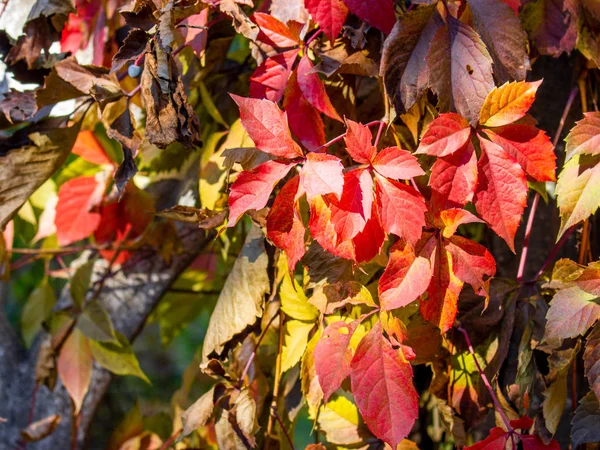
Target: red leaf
{"x": 471, "y": 263}
{"x": 313, "y": 89}
{"x": 453, "y": 179}
{"x": 530, "y": 147}
{"x": 350, "y": 213}
{"x": 406, "y": 277}
{"x": 196, "y": 37}
{"x": 74, "y": 220}
{"x": 440, "y": 308}
{"x": 333, "y": 355}
{"x": 501, "y": 194}
{"x": 534, "y": 442}
{"x": 89, "y": 148}
{"x": 305, "y": 121}
{"x": 514, "y": 4}
{"x": 397, "y": 164}
{"x": 358, "y": 140}
{"x": 401, "y": 209}
{"x": 330, "y": 15}
{"x": 445, "y": 135}
{"x": 584, "y": 138}
{"x": 495, "y": 441}
{"x": 377, "y": 13}
{"x": 589, "y": 281}
{"x": 284, "y": 225}
{"x": 453, "y": 218}
{"x": 251, "y": 189}
{"x": 267, "y": 126}
{"x": 381, "y": 379}
{"x": 275, "y": 32}
{"x": 270, "y": 78}
{"x": 322, "y": 174}
{"x": 367, "y": 244}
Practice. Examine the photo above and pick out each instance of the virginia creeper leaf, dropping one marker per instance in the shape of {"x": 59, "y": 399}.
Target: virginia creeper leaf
{"x": 275, "y": 32}
{"x": 242, "y": 297}
{"x": 460, "y": 69}
{"x": 333, "y": 355}
{"x": 471, "y": 263}
{"x": 284, "y": 224}
{"x": 530, "y": 147}
{"x": 508, "y": 103}
{"x": 397, "y": 164}
{"x": 589, "y": 280}
{"x": 453, "y": 218}
{"x": 403, "y": 64}
{"x": 74, "y": 220}
{"x": 501, "y": 31}
{"x": 294, "y": 302}
{"x": 501, "y": 194}
{"x": 368, "y": 243}
{"x": 330, "y": 15}
{"x": 584, "y": 138}
{"x": 453, "y": 179}
{"x": 382, "y": 386}
{"x": 447, "y": 134}
{"x": 267, "y": 126}
{"x": 401, "y": 209}
{"x": 591, "y": 360}
{"x": 322, "y": 174}
{"x": 350, "y": 213}
{"x": 87, "y": 147}
{"x": 572, "y": 312}
{"x": 270, "y": 78}
{"x": 578, "y": 190}
{"x": 295, "y": 342}
{"x": 313, "y": 89}
{"x": 406, "y": 277}
{"x": 117, "y": 357}
{"x": 358, "y": 140}
{"x": 74, "y": 366}
{"x": 377, "y": 13}
{"x": 251, "y": 189}
{"x": 550, "y": 26}
{"x": 305, "y": 121}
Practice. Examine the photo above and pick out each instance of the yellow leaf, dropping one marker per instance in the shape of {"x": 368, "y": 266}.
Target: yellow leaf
{"x": 295, "y": 342}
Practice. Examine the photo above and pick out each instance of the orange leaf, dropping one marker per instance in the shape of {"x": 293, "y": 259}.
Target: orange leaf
{"x": 74, "y": 366}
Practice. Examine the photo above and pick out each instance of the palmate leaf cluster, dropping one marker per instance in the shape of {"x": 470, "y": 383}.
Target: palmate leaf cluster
{"x": 361, "y": 170}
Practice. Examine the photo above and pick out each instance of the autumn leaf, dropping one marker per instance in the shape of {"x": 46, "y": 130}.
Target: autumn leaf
{"x": 501, "y": 193}
{"x": 572, "y": 312}
{"x": 294, "y": 302}
{"x": 584, "y": 138}
{"x": 117, "y": 357}
{"x": 508, "y": 103}
{"x": 403, "y": 63}
{"x": 358, "y": 140}
{"x": 351, "y": 212}
{"x": 591, "y": 360}
{"x": 447, "y": 134}
{"x": 397, "y": 164}
{"x": 378, "y": 13}
{"x": 460, "y": 69}
{"x": 382, "y": 387}
{"x": 284, "y": 224}
{"x": 330, "y": 15}
{"x": 550, "y": 26}
{"x": 275, "y": 32}
{"x": 333, "y": 355}
{"x": 252, "y": 189}
{"x": 267, "y": 126}
{"x": 322, "y": 174}
{"x": 406, "y": 277}
{"x": 74, "y": 366}
{"x": 472, "y": 263}
{"x": 313, "y": 89}
{"x": 74, "y": 219}
{"x": 269, "y": 80}
{"x": 295, "y": 342}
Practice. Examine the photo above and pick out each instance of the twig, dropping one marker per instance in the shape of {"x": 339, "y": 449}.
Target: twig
{"x": 552, "y": 254}
{"x": 486, "y": 382}
{"x": 277, "y": 378}
{"x": 253, "y": 355}
{"x": 280, "y": 422}
{"x": 313, "y": 37}
{"x": 171, "y": 439}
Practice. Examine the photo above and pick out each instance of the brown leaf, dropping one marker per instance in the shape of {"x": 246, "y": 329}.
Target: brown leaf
{"x": 169, "y": 116}
{"x": 201, "y": 411}
{"x": 68, "y": 79}
{"x": 247, "y": 157}
{"x": 241, "y": 22}
{"x": 44, "y": 149}
{"x": 44, "y": 25}
{"x": 591, "y": 359}
{"x": 45, "y": 367}
{"x": 133, "y": 46}
{"x": 205, "y": 218}
{"x": 17, "y": 106}
{"x": 39, "y": 429}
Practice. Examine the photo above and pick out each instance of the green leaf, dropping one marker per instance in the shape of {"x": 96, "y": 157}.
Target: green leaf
{"x": 95, "y": 323}
{"x": 80, "y": 282}
{"x": 208, "y": 103}
{"x": 295, "y": 342}
{"x": 36, "y": 311}
{"x": 118, "y": 359}
{"x": 294, "y": 302}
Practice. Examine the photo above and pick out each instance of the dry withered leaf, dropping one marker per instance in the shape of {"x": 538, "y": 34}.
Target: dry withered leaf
{"x": 205, "y": 218}
{"x": 39, "y": 429}
{"x": 169, "y": 116}
{"x": 17, "y": 106}
{"x": 44, "y": 24}
{"x": 45, "y": 366}
{"x": 133, "y": 46}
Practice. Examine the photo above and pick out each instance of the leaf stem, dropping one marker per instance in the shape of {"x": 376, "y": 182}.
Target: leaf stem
{"x": 253, "y": 355}
{"x": 280, "y": 422}
{"x": 313, "y": 37}
{"x": 553, "y": 253}
{"x": 277, "y": 378}
{"x": 171, "y": 439}
{"x": 381, "y": 124}
{"x": 486, "y": 382}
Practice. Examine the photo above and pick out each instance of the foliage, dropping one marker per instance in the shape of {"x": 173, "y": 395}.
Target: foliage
{"x": 353, "y": 165}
